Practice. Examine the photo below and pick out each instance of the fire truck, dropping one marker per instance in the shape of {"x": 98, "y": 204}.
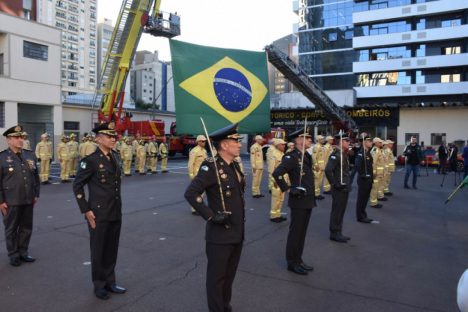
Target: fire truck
{"x": 135, "y": 18}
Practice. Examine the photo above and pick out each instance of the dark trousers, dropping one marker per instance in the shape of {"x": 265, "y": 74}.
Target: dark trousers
{"x": 442, "y": 165}
{"x": 364, "y": 189}
{"x": 220, "y": 273}
{"x": 339, "y": 202}
{"x": 296, "y": 236}
{"x": 18, "y": 229}
{"x": 104, "y": 243}
{"x": 466, "y": 172}
{"x": 415, "y": 170}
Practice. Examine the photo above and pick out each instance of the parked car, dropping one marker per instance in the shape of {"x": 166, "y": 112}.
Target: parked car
{"x": 432, "y": 159}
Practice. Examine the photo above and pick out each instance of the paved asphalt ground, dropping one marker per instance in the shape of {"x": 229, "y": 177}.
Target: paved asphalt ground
{"x": 411, "y": 261}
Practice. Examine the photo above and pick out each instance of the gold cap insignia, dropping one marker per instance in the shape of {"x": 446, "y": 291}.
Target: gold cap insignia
{"x": 79, "y": 196}
{"x": 111, "y": 125}
{"x": 18, "y": 129}
{"x": 199, "y": 200}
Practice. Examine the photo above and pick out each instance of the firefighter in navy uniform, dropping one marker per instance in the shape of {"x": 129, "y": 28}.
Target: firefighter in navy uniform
{"x": 103, "y": 209}
{"x": 337, "y": 172}
{"x": 364, "y": 170}
{"x": 301, "y": 197}
{"x": 19, "y": 191}
{"x": 225, "y": 214}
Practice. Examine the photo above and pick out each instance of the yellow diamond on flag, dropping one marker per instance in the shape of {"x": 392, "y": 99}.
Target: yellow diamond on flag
{"x": 228, "y": 88}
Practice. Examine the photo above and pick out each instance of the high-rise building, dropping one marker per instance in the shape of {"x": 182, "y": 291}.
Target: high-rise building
{"x": 104, "y": 35}
{"x": 411, "y": 52}
{"x": 325, "y": 46}
{"x": 20, "y": 8}
{"x": 278, "y": 83}
{"x": 151, "y": 81}
{"x": 77, "y": 21}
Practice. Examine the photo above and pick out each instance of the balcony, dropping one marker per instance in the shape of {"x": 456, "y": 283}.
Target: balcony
{"x": 412, "y": 90}
{"x": 402, "y": 12}
{"x": 434, "y": 34}
{"x": 411, "y": 63}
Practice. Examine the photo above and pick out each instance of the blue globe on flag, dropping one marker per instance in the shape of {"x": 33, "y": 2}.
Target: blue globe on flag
{"x": 232, "y": 89}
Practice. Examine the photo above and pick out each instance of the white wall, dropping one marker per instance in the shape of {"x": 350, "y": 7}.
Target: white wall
{"x": 451, "y": 120}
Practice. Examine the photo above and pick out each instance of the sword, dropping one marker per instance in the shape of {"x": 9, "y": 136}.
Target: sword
{"x": 457, "y": 189}
{"x": 364, "y": 156}
{"x": 341, "y": 157}
{"x": 303, "y": 151}
{"x": 227, "y": 226}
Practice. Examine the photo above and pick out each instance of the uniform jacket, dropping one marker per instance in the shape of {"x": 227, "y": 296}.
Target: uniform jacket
{"x": 126, "y": 151}
{"x": 233, "y": 186}
{"x": 196, "y": 157}
{"x": 19, "y": 179}
{"x": 73, "y": 149}
{"x": 163, "y": 150}
{"x": 256, "y": 156}
{"x": 319, "y": 154}
{"x": 152, "y": 149}
{"x": 364, "y": 168}
{"x": 413, "y": 154}
{"x": 273, "y": 162}
{"x": 44, "y": 150}
{"x": 333, "y": 169}
{"x": 291, "y": 165}
{"x": 103, "y": 180}
{"x": 63, "y": 152}
{"x": 379, "y": 161}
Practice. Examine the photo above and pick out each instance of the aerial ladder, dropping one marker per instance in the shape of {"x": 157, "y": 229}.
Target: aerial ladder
{"x": 309, "y": 88}
{"x": 135, "y": 17}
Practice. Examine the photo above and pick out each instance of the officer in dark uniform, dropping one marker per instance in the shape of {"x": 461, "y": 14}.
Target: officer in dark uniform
{"x": 301, "y": 197}
{"x": 364, "y": 170}
{"x": 103, "y": 210}
{"x": 223, "y": 181}
{"x": 337, "y": 172}
{"x": 19, "y": 191}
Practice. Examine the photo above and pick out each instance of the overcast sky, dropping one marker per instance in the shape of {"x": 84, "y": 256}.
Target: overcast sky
{"x": 240, "y": 24}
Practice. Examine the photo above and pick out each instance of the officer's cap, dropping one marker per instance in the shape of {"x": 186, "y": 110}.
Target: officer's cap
{"x": 377, "y": 140}
{"x": 201, "y": 137}
{"x": 277, "y": 142}
{"x": 229, "y": 132}
{"x": 343, "y": 136}
{"x": 300, "y": 133}
{"x": 107, "y": 128}
{"x": 258, "y": 137}
{"x": 365, "y": 138}
{"x": 15, "y": 131}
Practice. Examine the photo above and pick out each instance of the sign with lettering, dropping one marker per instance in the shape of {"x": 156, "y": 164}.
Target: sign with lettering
{"x": 364, "y": 117}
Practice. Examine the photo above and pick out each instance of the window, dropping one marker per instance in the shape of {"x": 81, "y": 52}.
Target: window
{"x": 451, "y": 22}
{"x": 35, "y": 51}
{"x": 27, "y": 14}
{"x": 451, "y": 50}
{"x": 409, "y": 135}
{"x": 437, "y": 138}
{"x": 1, "y": 65}
{"x": 348, "y": 35}
{"x": 2, "y": 115}
{"x": 71, "y": 125}
{"x": 447, "y": 78}
{"x": 332, "y": 36}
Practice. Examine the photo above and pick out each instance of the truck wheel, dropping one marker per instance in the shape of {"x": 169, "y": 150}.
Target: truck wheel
{"x": 172, "y": 153}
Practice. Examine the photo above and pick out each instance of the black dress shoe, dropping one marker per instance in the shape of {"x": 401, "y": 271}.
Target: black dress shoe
{"x": 283, "y": 218}
{"x": 382, "y": 199}
{"x": 116, "y": 289}
{"x": 15, "y": 261}
{"x": 346, "y": 237}
{"x": 338, "y": 238}
{"x": 101, "y": 293}
{"x": 307, "y": 267}
{"x": 377, "y": 206}
{"x": 261, "y": 195}
{"x": 297, "y": 269}
{"x": 388, "y": 194}
{"x": 407, "y": 187}
{"x": 276, "y": 220}
{"x": 165, "y": 171}
{"x": 366, "y": 220}
{"x": 414, "y": 186}
{"x": 320, "y": 197}
{"x": 327, "y": 192}
{"x": 27, "y": 258}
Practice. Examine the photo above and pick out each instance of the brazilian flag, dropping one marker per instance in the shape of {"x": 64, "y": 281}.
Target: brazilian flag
{"x": 223, "y": 86}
